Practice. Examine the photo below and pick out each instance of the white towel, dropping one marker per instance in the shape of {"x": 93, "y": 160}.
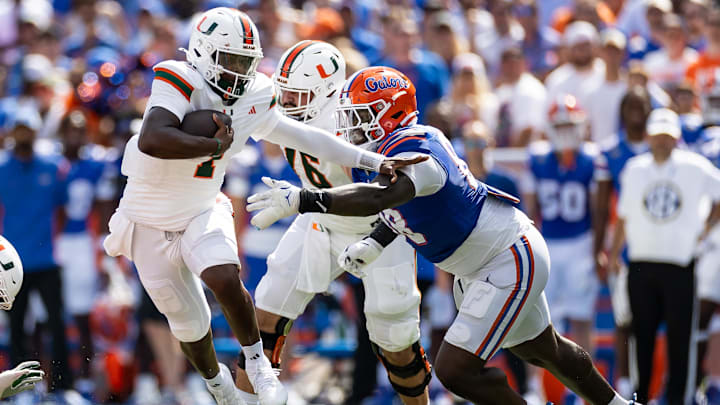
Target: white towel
{"x": 119, "y": 241}
{"x": 316, "y": 266}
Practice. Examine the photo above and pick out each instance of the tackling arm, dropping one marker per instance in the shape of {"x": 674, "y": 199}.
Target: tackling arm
{"x": 359, "y": 199}
{"x": 162, "y": 138}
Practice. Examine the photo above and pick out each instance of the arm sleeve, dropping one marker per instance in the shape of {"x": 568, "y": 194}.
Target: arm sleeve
{"x": 322, "y": 145}
{"x": 428, "y": 177}
{"x": 165, "y": 95}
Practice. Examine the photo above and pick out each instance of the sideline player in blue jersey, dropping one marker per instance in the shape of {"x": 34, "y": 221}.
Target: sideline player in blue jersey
{"x": 499, "y": 259}
{"x": 87, "y": 184}
{"x": 558, "y": 187}
{"x": 635, "y": 108}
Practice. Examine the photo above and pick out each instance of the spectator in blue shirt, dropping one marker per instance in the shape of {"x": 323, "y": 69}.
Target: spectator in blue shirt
{"x": 539, "y": 43}
{"x": 425, "y": 69}
{"x": 31, "y": 193}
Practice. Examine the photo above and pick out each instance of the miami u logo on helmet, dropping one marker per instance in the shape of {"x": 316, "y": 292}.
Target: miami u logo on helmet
{"x": 373, "y": 85}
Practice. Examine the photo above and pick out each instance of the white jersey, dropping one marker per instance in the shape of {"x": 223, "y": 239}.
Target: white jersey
{"x": 168, "y": 193}
{"x": 317, "y": 174}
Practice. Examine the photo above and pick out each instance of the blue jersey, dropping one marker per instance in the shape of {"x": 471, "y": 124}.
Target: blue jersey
{"x": 437, "y": 224}
{"x": 82, "y": 182}
{"x": 692, "y": 129}
{"x": 563, "y": 193}
{"x": 616, "y": 157}
{"x": 30, "y": 192}
{"x": 710, "y": 146}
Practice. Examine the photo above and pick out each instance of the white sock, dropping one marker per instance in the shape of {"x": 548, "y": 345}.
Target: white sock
{"x": 250, "y": 399}
{"x": 618, "y": 401}
{"x": 214, "y": 381}
{"x": 253, "y": 352}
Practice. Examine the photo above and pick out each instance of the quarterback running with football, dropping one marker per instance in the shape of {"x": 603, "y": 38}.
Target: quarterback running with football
{"x": 500, "y": 261}
{"x": 172, "y": 220}
{"x": 308, "y": 81}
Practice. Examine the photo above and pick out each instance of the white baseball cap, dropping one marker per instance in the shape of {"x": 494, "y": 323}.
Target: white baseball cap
{"x": 663, "y": 121}
{"x": 580, "y": 31}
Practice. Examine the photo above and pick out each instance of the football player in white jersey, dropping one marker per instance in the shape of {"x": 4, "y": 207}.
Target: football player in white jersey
{"x": 172, "y": 220}
{"x": 308, "y": 81}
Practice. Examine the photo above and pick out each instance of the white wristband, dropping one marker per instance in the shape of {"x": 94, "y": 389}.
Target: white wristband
{"x": 370, "y": 161}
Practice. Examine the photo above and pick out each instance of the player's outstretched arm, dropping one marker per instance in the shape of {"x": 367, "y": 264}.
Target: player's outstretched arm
{"x": 326, "y": 146}
{"x": 357, "y": 199}
{"x": 21, "y": 378}
{"x": 162, "y": 138}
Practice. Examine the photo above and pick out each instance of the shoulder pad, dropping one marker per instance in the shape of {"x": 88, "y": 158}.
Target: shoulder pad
{"x": 179, "y": 74}
{"x": 262, "y": 90}
{"x": 417, "y": 133}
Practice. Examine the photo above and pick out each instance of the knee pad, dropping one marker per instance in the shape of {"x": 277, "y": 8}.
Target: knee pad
{"x": 417, "y": 365}
{"x": 188, "y": 323}
{"x": 274, "y": 341}
{"x": 394, "y": 335}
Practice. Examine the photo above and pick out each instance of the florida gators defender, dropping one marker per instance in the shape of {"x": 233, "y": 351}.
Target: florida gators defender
{"x": 308, "y": 82}
{"x": 172, "y": 220}
{"x": 558, "y": 186}
{"x": 465, "y": 227}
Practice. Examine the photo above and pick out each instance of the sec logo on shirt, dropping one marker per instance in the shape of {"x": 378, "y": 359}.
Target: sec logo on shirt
{"x": 662, "y": 201}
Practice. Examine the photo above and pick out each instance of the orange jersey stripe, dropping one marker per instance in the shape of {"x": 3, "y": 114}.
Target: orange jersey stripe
{"x": 170, "y": 72}
{"x": 504, "y": 308}
{"x": 399, "y": 142}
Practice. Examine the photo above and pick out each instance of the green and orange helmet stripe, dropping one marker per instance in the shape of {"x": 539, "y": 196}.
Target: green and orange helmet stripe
{"x": 247, "y": 29}
{"x": 293, "y": 55}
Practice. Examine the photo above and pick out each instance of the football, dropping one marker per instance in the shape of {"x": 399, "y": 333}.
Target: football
{"x": 200, "y": 123}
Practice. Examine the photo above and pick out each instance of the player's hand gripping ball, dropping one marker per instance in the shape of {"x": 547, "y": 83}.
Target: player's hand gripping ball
{"x": 358, "y": 255}
{"x": 282, "y": 200}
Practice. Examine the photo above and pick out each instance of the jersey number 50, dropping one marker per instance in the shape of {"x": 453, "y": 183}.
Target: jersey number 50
{"x": 567, "y": 200}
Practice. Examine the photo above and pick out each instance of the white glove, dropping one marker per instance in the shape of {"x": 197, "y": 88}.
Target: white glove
{"x": 282, "y": 200}
{"x": 21, "y": 378}
{"x": 358, "y": 255}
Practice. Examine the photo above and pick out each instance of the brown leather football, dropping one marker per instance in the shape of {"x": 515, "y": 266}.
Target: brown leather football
{"x": 200, "y": 123}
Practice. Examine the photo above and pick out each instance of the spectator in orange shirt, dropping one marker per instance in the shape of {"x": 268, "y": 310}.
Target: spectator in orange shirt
{"x": 702, "y": 70}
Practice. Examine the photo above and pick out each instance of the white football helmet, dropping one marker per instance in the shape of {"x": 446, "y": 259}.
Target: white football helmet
{"x": 11, "y": 274}
{"x": 225, "y": 48}
{"x": 567, "y": 123}
{"x": 315, "y": 72}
